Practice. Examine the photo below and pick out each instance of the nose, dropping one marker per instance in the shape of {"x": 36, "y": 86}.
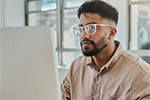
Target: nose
{"x": 84, "y": 35}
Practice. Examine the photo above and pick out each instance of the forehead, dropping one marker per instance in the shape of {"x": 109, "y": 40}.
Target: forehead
{"x": 89, "y": 17}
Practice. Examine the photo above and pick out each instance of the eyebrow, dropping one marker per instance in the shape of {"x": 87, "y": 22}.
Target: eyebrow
{"x": 88, "y": 23}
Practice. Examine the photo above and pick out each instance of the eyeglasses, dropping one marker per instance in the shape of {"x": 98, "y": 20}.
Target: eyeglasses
{"x": 90, "y": 29}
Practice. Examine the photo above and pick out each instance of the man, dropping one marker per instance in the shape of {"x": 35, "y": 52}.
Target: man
{"x": 106, "y": 71}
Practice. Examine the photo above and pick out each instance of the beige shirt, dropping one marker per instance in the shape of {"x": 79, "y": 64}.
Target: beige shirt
{"x": 124, "y": 77}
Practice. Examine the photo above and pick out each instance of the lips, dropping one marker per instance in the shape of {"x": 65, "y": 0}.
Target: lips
{"x": 86, "y": 44}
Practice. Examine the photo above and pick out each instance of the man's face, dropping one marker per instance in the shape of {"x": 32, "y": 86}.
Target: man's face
{"x": 93, "y": 44}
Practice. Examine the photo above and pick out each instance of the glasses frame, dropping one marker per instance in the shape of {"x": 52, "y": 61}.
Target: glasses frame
{"x": 84, "y": 27}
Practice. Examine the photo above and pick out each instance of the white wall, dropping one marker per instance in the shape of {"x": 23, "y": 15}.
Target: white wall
{"x": 1, "y": 12}
{"x": 122, "y": 29}
{"x": 12, "y": 13}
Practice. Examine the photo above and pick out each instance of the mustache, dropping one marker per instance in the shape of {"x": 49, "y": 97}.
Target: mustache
{"x": 92, "y": 42}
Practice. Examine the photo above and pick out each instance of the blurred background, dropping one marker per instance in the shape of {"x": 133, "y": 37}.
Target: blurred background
{"x": 61, "y": 16}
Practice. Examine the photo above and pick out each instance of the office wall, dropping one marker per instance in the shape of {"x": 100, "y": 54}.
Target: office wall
{"x": 122, "y": 27}
{"x": 1, "y": 12}
{"x": 12, "y": 13}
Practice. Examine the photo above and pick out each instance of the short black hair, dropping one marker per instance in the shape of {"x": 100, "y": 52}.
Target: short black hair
{"x": 102, "y": 8}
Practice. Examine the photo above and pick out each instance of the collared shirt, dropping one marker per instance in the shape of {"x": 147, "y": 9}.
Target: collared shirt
{"x": 124, "y": 77}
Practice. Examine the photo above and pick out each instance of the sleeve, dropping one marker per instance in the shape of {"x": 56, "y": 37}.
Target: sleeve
{"x": 66, "y": 86}
{"x": 141, "y": 87}
{"x": 65, "y": 89}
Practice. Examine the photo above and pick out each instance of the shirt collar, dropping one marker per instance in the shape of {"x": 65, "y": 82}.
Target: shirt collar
{"x": 110, "y": 63}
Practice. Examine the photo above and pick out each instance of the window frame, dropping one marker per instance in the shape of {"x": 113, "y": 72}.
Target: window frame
{"x": 138, "y": 52}
{"x": 60, "y": 49}
{"x": 59, "y": 14}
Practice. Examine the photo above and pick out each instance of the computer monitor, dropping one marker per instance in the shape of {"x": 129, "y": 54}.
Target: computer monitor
{"x": 28, "y": 64}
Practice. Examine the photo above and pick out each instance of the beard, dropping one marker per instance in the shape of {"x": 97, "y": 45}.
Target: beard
{"x": 97, "y": 47}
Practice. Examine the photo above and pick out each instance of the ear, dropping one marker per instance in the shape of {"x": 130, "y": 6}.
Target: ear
{"x": 112, "y": 33}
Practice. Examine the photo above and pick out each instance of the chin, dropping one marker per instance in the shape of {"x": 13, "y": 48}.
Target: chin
{"x": 88, "y": 53}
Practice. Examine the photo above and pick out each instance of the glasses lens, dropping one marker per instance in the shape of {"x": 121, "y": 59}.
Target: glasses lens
{"x": 77, "y": 31}
{"x": 90, "y": 29}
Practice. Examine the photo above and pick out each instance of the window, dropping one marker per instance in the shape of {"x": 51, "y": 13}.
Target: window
{"x": 42, "y": 12}
{"x": 61, "y": 16}
{"x": 69, "y": 49}
{"x": 139, "y": 28}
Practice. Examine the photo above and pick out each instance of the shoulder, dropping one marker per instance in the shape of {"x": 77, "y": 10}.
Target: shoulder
{"x": 79, "y": 65}
{"x": 79, "y": 62}
{"x": 136, "y": 62}
{"x": 134, "y": 71}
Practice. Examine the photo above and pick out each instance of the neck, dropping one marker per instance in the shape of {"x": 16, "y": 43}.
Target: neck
{"x": 105, "y": 55}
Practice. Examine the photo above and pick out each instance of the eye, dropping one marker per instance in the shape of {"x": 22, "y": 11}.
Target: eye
{"x": 91, "y": 28}
{"x": 80, "y": 29}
